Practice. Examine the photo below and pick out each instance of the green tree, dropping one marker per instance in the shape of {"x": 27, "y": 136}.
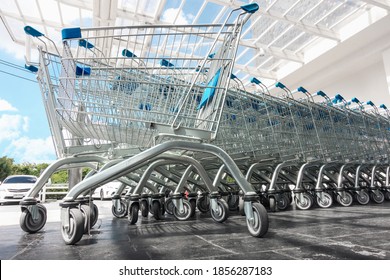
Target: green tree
{"x": 6, "y": 164}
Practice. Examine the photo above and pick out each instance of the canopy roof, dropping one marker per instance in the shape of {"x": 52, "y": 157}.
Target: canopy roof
{"x": 280, "y": 38}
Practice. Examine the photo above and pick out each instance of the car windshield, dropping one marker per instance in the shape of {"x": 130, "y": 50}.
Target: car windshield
{"x": 20, "y": 180}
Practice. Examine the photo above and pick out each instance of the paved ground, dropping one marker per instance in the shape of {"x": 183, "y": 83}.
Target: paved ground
{"x": 356, "y": 232}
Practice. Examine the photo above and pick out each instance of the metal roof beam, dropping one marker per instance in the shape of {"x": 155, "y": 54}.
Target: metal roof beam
{"x": 315, "y": 30}
{"x": 379, "y": 3}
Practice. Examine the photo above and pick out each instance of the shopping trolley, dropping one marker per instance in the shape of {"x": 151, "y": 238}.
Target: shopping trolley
{"x": 158, "y": 88}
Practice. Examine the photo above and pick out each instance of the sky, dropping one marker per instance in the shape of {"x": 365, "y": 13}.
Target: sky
{"x": 24, "y": 130}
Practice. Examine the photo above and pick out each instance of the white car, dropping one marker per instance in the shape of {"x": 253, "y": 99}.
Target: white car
{"x": 15, "y": 187}
{"x": 107, "y": 190}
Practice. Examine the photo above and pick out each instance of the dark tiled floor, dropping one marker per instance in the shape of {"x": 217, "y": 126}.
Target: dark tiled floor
{"x": 356, "y": 232}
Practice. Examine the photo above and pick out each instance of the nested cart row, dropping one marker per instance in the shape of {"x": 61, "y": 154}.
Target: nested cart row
{"x": 155, "y": 108}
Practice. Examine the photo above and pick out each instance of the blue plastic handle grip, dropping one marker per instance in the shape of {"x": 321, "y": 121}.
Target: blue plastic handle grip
{"x": 232, "y": 76}
{"x": 321, "y": 93}
{"x": 255, "y": 81}
{"x": 212, "y": 55}
{"x": 280, "y": 85}
{"x": 166, "y": 63}
{"x": 383, "y": 106}
{"x": 250, "y": 8}
{"x": 339, "y": 97}
{"x": 32, "y": 31}
{"x": 355, "y": 100}
{"x": 128, "y": 53}
{"x": 302, "y": 89}
{"x": 370, "y": 103}
{"x": 84, "y": 43}
{"x": 31, "y": 68}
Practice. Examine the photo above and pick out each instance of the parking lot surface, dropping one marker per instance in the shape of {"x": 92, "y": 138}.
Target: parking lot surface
{"x": 356, "y": 232}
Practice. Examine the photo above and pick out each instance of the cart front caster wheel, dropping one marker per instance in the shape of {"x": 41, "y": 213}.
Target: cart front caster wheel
{"x": 28, "y": 224}
{"x": 345, "y": 199}
{"x": 75, "y": 231}
{"x": 378, "y": 197}
{"x": 223, "y": 211}
{"x": 324, "y": 200}
{"x": 362, "y": 197}
{"x": 187, "y": 211}
{"x": 258, "y": 227}
{"x": 303, "y": 201}
{"x": 119, "y": 213}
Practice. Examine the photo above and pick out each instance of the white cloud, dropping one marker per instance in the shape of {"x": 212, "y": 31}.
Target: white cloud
{"x": 170, "y": 14}
{"x": 6, "y": 106}
{"x": 32, "y": 150}
{"x": 11, "y": 126}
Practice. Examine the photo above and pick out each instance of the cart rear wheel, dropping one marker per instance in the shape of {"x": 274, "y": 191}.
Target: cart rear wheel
{"x": 259, "y": 226}
{"x": 193, "y": 207}
{"x": 233, "y": 202}
{"x": 387, "y": 195}
{"x": 303, "y": 201}
{"x": 203, "y": 204}
{"x": 75, "y": 231}
{"x": 283, "y": 202}
{"x": 119, "y": 213}
{"x": 95, "y": 214}
{"x": 169, "y": 206}
{"x": 362, "y": 197}
{"x": 345, "y": 199}
{"x": 157, "y": 210}
{"x": 187, "y": 211}
{"x": 377, "y": 197}
{"x": 272, "y": 204}
{"x": 28, "y": 224}
{"x": 324, "y": 200}
{"x": 223, "y": 211}
{"x": 144, "y": 208}
{"x": 133, "y": 213}
{"x": 86, "y": 211}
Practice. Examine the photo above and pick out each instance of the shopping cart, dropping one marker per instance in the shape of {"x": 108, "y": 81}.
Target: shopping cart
{"x": 160, "y": 89}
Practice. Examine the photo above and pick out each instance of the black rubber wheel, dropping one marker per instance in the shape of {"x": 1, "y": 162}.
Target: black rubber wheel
{"x": 362, "y": 197}
{"x": 133, "y": 213}
{"x": 86, "y": 211}
{"x": 119, "y": 213}
{"x": 324, "y": 200}
{"x": 157, "y": 210}
{"x": 387, "y": 195}
{"x": 169, "y": 206}
{"x": 75, "y": 231}
{"x": 223, "y": 211}
{"x": 233, "y": 202}
{"x": 203, "y": 204}
{"x": 95, "y": 214}
{"x": 345, "y": 199}
{"x": 305, "y": 202}
{"x": 144, "y": 208}
{"x": 193, "y": 207}
{"x": 259, "y": 226}
{"x": 377, "y": 197}
{"x": 241, "y": 210}
{"x": 28, "y": 224}
{"x": 272, "y": 203}
{"x": 283, "y": 202}
{"x": 187, "y": 211}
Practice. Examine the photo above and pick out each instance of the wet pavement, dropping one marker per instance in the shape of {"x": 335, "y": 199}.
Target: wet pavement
{"x": 355, "y": 232}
